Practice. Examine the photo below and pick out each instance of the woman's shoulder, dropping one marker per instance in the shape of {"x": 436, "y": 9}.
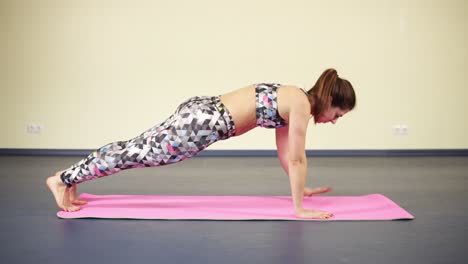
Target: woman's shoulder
{"x": 292, "y": 92}
{"x": 291, "y": 87}
{"x": 292, "y": 97}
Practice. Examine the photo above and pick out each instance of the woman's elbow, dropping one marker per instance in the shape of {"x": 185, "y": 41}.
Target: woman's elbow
{"x": 297, "y": 161}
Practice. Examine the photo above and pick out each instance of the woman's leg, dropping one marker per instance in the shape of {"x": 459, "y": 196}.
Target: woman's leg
{"x": 97, "y": 164}
{"x": 196, "y": 124}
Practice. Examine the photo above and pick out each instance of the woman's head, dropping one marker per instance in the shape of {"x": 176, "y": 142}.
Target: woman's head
{"x": 331, "y": 97}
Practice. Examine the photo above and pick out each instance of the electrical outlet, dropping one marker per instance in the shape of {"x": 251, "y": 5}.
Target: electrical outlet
{"x": 400, "y": 130}
{"x": 33, "y": 128}
{"x": 404, "y": 130}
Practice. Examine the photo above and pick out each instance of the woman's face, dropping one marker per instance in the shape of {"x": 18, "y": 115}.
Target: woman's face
{"x": 331, "y": 114}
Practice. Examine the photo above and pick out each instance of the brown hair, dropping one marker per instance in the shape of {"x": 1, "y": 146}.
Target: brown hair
{"x": 330, "y": 85}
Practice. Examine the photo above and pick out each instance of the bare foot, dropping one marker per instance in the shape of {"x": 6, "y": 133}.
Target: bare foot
{"x": 73, "y": 198}
{"x": 61, "y": 193}
{"x": 313, "y": 214}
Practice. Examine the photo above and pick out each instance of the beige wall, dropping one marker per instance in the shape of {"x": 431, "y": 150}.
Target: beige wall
{"x": 97, "y": 71}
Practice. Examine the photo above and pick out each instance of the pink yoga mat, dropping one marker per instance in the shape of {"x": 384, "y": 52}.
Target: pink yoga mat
{"x": 368, "y": 207}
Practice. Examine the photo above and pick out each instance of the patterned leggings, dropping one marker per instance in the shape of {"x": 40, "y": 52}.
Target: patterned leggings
{"x": 197, "y": 123}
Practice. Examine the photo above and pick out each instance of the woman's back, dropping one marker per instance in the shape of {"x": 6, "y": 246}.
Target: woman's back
{"x": 241, "y": 104}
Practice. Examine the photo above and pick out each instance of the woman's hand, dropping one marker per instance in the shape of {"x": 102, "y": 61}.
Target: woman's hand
{"x": 315, "y": 214}
{"x": 314, "y": 191}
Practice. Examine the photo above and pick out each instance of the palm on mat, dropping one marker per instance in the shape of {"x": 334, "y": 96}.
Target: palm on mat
{"x": 313, "y": 191}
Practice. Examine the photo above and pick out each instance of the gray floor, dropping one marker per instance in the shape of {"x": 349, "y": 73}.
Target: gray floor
{"x": 433, "y": 189}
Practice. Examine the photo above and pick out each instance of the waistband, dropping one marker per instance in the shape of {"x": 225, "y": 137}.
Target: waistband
{"x": 231, "y": 127}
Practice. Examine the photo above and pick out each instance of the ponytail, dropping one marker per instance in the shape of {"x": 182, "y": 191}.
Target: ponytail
{"x": 322, "y": 89}
{"x": 329, "y": 85}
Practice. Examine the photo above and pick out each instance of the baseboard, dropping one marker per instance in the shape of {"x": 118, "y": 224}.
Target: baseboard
{"x": 259, "y": 153}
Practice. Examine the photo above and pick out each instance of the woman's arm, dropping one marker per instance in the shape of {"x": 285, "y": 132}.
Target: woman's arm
{"x": 297, "y": 160}
{"x": 282, "y": 146}
{"x": 282, "y": 149}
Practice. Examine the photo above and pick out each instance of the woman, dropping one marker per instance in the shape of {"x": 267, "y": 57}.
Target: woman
{"x": 200, "y": 121}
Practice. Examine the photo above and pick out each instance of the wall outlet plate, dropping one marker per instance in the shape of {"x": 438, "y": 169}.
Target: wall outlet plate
{"x": 400, "y": 130}
{"x": 33, "y": 128}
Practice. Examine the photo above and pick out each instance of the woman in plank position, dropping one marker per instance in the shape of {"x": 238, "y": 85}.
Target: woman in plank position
{"x": 202, "y": 120}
